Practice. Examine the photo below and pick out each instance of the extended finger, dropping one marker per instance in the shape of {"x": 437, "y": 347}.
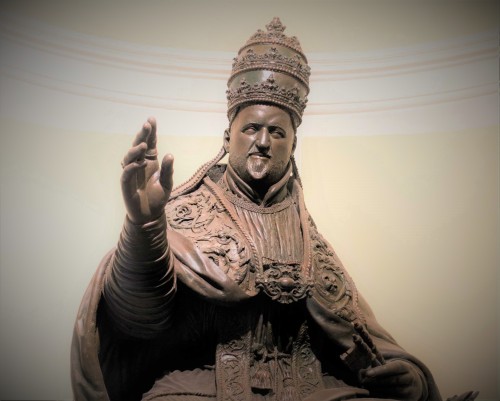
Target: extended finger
{"x": 143, "y": 134}
{"x": 471, "y": 396}
{"x": 389, "y": 369}
{"x": 128, "y": 179}
{"x": 376, "y": 382}
{"x": 151, "y": 153}
{"x": 167, "y": 173}
{"x": 393, "y": 393}
{"x": 135, "y": 154}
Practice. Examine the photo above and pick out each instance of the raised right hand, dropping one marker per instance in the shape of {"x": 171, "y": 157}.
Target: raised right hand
{"x": 145, "y": 187}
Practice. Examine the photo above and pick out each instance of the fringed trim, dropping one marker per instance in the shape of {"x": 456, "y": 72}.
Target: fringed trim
{"x": 190, "y": 184}
{"x": 296, "y": 170}
{"x": 261, "y": 379}
{"x": 289, "y": 394}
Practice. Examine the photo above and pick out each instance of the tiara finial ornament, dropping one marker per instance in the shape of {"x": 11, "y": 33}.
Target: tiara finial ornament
{"x": 276, "y": 25}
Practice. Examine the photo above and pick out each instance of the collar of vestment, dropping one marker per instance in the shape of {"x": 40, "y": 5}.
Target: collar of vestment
{"x": 276, "y": 193}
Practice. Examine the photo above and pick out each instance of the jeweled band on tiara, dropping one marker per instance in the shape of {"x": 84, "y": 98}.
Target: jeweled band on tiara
{"x": 267, "y": 91}
{"x": 273, "y": 60}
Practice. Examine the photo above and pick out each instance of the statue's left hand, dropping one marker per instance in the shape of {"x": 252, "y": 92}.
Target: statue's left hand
{"x": 395, "y": 379}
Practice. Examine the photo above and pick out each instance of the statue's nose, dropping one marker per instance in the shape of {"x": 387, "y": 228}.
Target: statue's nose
{"x": 263, "y": 140}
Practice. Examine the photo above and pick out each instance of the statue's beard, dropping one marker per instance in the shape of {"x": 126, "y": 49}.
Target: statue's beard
{"x": 258, "y": 167}
{"x": 258, "y": 171}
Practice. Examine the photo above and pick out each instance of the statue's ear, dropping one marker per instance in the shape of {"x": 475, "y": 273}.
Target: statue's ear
{"x": 227, "y": 135}
{"x": 294, "y": 143}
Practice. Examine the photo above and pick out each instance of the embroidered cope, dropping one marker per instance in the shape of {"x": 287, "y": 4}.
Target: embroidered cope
{"x": 244, "y": 301}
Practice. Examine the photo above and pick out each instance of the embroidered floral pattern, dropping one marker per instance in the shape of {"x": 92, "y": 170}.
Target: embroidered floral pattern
{"x": 201, "y": 218}
{"x": 331, "y": 285}
{"x": 307, "y": 368}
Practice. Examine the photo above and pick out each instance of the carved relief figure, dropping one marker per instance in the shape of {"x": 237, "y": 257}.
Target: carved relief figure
{"x": 223, "y": 288}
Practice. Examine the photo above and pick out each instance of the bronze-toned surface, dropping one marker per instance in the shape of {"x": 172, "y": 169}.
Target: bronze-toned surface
{"x": 223, "y": 289}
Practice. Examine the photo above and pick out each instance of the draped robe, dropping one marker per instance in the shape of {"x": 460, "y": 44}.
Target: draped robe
{"x": 256, "y": 305}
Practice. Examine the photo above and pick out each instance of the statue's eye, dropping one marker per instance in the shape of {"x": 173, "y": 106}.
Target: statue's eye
{"x": 277, "y": 133}
{"x": 249, "y": 129}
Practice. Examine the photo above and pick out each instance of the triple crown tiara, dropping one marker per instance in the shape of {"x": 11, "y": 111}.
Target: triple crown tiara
{"x": 270, "y": 68}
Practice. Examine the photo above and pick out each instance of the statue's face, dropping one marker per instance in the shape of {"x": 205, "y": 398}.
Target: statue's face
{"x": 260, "y": 144}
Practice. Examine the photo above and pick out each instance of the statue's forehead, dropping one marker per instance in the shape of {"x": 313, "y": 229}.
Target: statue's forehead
{"x": 266, "y": 114}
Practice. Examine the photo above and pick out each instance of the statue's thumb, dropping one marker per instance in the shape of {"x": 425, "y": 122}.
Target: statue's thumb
{"x": 167, "y": 172}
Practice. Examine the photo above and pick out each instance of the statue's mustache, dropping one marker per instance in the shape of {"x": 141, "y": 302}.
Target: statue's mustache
{"x": 254, "y": 151}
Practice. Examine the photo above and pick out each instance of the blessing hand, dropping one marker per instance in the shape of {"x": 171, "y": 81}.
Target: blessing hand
{"x": 395, "y": 379}
{"x": 146, "y": 187}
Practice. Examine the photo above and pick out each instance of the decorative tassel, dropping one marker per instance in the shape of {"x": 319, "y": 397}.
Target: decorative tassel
{"x": 261, "y": 379}
{"x": 289, "y": 394}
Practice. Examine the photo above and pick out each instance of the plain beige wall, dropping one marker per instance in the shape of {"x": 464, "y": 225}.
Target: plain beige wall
{"x": 400, "y": 163}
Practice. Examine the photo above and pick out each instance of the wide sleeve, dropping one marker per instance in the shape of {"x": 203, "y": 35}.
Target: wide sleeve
{"x": 140, "y": 285}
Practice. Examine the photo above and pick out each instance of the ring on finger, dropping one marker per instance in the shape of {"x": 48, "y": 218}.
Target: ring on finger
{"x": 151, "y": 154}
